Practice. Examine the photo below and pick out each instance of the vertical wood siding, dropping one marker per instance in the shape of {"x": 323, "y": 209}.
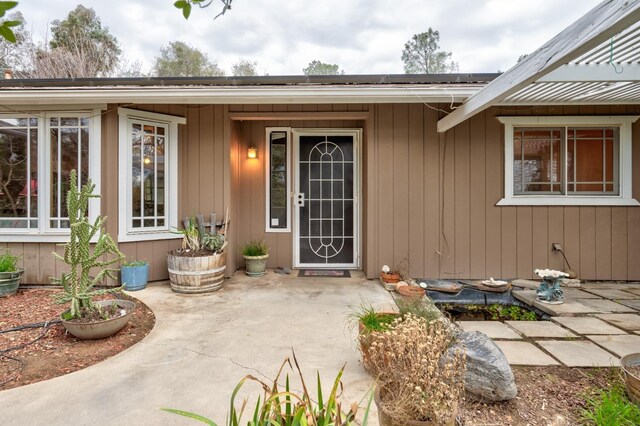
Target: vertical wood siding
{"x": 428, "y": 197}
{"x": 434, "y": 198}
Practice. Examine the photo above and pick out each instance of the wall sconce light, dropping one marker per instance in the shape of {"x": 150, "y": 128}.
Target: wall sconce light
{"x": 252, "y": 152}
{"x": 147, "y": 160}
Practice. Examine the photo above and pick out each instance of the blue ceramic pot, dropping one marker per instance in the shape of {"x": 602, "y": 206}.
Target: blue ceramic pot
{"x": 134, "y": 277}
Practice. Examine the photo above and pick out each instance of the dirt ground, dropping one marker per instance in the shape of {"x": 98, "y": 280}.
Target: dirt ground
{"x": 546, "y": 396}
{"x": 54, "y": 353}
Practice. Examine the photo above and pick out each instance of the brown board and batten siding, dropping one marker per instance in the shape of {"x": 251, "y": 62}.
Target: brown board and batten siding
{"x": 435, "y": 196}
{"x": 428, "y": 197}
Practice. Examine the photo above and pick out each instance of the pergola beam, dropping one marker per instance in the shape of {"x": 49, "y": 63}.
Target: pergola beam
{"x": 592, "y": 72}
{"x": 600, "y": 24}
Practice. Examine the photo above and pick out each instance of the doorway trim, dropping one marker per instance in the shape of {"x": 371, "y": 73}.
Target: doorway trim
{"x": 357, "y": 191}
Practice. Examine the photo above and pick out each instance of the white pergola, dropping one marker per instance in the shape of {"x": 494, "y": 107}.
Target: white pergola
{"x": 596, "y": 60}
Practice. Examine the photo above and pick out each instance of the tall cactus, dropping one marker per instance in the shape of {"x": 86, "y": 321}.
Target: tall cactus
{"x": 78, "y": 283}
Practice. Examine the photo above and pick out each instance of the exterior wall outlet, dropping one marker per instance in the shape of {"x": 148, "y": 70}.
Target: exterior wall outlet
{"x": 556, "y": 247}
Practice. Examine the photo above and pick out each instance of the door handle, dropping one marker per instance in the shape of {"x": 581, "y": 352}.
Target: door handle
{"x": 300, "y": 199}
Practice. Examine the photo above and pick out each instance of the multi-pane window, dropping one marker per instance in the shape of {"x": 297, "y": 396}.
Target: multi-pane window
{"x": 38, "y": 151}
{"x": 148, "y": 182}
{"x": 69, "y": 150}
{"x": 568, "y": 160}
{"x": 277, "y": 180}
{"x": 148, "y": 189}
{"x": 19, "y": 173}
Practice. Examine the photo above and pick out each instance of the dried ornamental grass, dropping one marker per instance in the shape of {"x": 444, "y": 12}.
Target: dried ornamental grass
{"x": 418, "y": 381}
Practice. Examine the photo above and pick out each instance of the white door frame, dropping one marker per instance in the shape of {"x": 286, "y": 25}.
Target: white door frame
{"x": 357, "y": 194}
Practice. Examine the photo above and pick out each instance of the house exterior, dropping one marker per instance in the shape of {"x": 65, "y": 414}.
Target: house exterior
{"x": 464, "y": 176}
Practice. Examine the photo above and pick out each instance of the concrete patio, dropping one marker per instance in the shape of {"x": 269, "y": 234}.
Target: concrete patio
{"x": 202, "y": 346}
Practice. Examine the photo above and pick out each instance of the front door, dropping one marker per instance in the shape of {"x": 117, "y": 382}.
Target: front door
{"x": 326, "y": 221}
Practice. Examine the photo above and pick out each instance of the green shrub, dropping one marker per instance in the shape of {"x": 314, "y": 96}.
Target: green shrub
{"x": 255, "y": 248}
{"x": 213, "y": 242}
{"x": 611, "y": 407}
{"x": 8, "y": 262}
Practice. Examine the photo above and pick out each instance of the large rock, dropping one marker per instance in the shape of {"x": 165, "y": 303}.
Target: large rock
{"x": 488, "y": 377}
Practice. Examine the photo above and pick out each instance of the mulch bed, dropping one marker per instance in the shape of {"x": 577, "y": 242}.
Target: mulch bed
{"x": 53, "y": 353}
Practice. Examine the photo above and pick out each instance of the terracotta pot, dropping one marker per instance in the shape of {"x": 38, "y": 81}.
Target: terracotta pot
{"x": 411, "y": 291}
{"x": 385, "y": 420}
{"x": 100, "y": 329}
{"x": 631, "y": 380}
{"x": 390, "y": 278}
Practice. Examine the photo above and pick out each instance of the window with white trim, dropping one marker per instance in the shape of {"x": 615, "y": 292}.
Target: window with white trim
{"x": 578, "y": 160}
{"x": 148, "y": 153}
{"x": 278, "y": 176}
{"x": 38, "y": 151}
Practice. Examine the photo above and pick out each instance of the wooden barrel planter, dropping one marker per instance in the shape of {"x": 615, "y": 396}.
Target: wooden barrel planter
{"x": 196, "y": 275}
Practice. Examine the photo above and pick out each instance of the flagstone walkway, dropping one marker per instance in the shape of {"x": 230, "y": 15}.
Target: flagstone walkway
{"x": 596, "y": 325}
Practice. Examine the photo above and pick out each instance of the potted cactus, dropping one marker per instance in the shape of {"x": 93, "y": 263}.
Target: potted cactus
{"x": 90, "y": 249}
{"x": 134, "y": 275}
{"x": 10, "y": 273}
{"x": 255, "y": 255}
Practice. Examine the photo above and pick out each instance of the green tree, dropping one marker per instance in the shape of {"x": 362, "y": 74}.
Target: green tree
{"x": 12, "y": 52}
{"x": 422, "y": 55}
{"x": 181, "y": 60}
{"x": 316, "y": 67}
{"x": 82, "y": 38}
{"x": 6, "y": 25}
{"x": 244, "y": 68}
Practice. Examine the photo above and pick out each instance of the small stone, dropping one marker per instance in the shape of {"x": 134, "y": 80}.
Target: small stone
{"x": 488, "y": 377}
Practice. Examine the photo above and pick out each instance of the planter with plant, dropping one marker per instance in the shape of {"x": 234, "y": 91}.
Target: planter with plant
{"x": 255, "y": 255}
{"x": 90, "y": 249}
{"x": 134, "y": 275}
{"x": 420, "y": 382}
{"x": 10, "y": 273}
{"x": 198, "y": 267}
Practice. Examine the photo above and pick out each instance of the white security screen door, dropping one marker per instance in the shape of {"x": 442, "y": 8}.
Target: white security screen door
{"x": 326, "y": 199}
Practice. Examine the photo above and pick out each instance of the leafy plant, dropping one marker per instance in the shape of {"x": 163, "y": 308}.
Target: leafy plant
{"x": 8, "y": 262}
{"x": 371, "y": 319}
{"x": 255, "y": 248}
{"x": 510, "y": 313}
{"x": 190, "y": 236}
{"x": 611, "y": 407}
{"x": 213, "y": 242}
{"x": 132, "y": 263}
{"x": 285, "y": 407}
{"x": 5, "y": 27}
{"x": 82, "y": 255}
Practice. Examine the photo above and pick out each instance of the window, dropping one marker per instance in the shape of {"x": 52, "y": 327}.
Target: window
{"x": 583, "y": 160}
{"x": 148, "y": 146}
{"x": 277, "y": 180}
{"x": 37, "y": 153}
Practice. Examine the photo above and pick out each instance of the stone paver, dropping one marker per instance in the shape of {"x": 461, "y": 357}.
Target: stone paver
{"x": 540, "y": 329}
{"x": 620, "y": 345}
{"x": 604, "y": 305}
{"x": 635, "y": 304}
{"x": 579, "y": 353}
{"x": 608, "y": 286}
{"x": 635, "y": 291}
{"x": 574, "y": 293}
{"x": 526, "y": 296}
{"x": 611, "y": 293}
{"x": 524, "y": 353}
{"x": 624, "y": 321}
{"x": 530, "y": 284}
{"x": 568, "y": 308}
{"x": 587, "y": 325}
{"x": 493, "y": 329}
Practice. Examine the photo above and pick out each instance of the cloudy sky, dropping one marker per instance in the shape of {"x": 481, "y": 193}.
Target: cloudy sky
{"x": 362, "y": 36}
